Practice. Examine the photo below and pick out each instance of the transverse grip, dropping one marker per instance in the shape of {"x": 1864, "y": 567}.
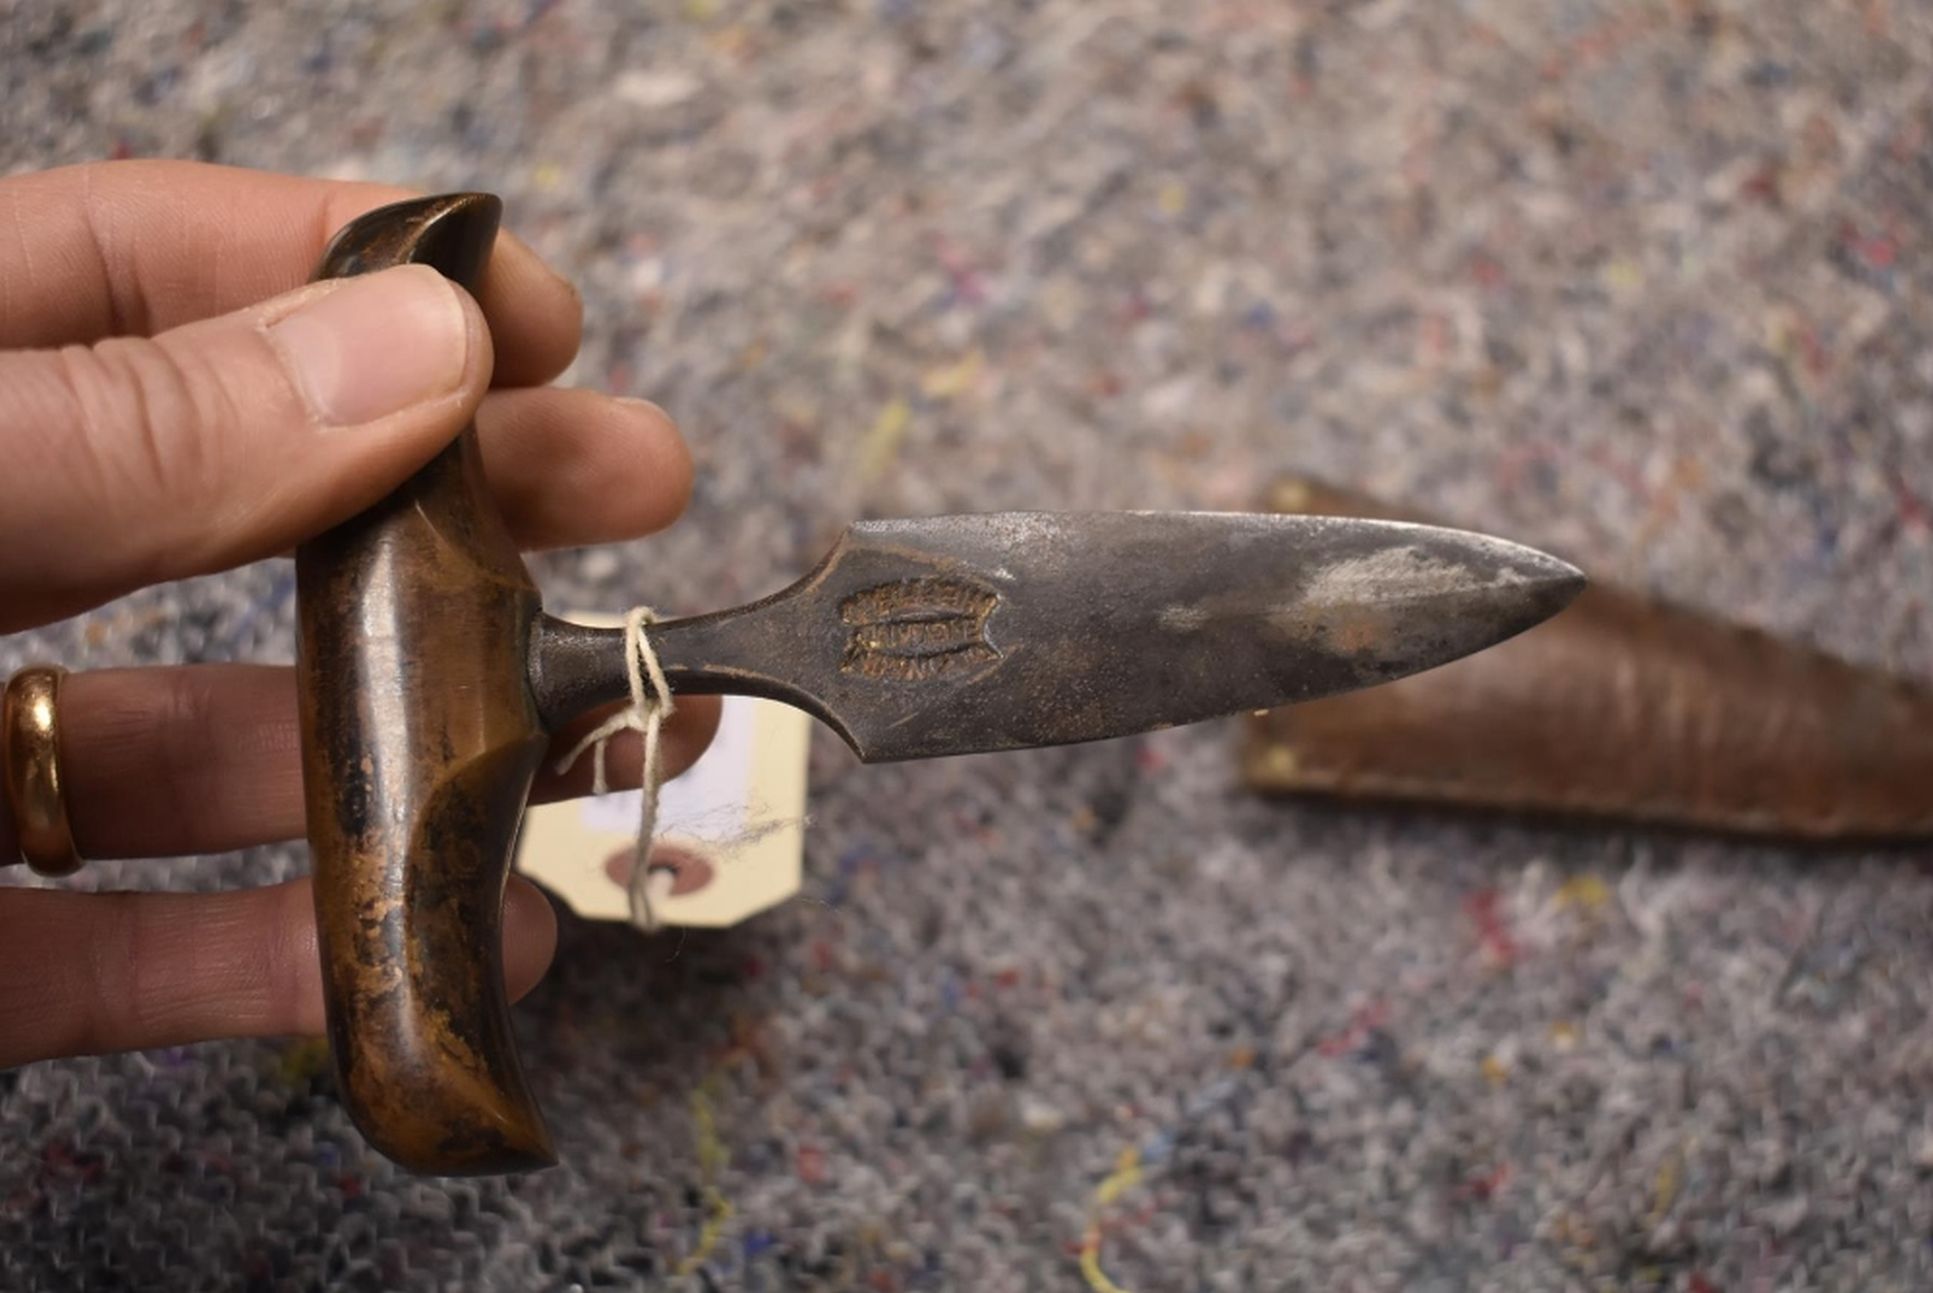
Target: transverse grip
{"x": 420, "y": 740}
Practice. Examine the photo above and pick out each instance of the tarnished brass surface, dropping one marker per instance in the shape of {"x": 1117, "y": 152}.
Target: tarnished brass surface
{"x": 1619, "y": 707}
{"x": 420, "y": 741}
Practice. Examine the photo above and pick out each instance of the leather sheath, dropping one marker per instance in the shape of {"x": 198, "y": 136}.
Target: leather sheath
{"x": 1618, "y": 707}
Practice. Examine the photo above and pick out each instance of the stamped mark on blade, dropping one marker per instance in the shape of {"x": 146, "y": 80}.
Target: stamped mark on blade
{"x": 916, "y": 629}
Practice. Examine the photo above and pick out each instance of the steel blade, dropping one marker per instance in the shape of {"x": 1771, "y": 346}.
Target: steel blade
{"x": 951, "y": 635}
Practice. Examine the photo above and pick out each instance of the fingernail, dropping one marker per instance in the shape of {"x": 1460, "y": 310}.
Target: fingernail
{"x": 646, "y": 405}
{"x": 376, "y": 345}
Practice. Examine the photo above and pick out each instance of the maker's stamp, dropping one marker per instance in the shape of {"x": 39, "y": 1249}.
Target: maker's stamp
{"x": 915, "y": 629}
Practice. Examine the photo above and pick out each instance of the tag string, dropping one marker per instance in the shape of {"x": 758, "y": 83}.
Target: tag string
{"x": 650, "y": 706}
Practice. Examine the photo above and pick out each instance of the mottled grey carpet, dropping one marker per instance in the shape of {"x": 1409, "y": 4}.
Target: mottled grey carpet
{"x": 1645, "y": 281}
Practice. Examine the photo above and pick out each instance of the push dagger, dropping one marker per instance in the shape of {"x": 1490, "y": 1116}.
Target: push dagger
{"x": 430, "y": 681}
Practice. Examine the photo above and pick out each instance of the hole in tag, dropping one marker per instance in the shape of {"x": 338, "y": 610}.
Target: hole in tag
{"x": 689, "y": 872}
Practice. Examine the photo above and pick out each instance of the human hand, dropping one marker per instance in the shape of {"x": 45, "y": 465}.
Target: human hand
{"x": 175, "y": 401}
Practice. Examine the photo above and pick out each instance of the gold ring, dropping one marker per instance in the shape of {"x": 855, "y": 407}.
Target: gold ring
{"x": 30, "y": 714}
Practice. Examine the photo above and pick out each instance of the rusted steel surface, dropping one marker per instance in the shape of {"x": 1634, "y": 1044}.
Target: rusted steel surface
{"x": 949, "y": 635}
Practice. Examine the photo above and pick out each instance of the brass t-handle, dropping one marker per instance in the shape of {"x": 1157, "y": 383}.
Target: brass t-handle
{"x": 420, "y": 740}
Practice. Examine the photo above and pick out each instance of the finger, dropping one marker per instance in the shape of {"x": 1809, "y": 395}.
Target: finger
{"x": 86, "y": 974}
{"x": 206, "y": 758}
{"x": 135, "y": 248}
{"x": 575, "y": 467}
{"x": 687, "y": 734}
{"x": 139, "y": 460}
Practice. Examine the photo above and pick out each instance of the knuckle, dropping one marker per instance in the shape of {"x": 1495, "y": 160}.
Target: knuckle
{"x": 112, "y": 1011}
{"x": 143, "y": 423}
{"x": 291, "y": 973}
{"x": 185, "y": 731}
{"x": 118, "y": 273}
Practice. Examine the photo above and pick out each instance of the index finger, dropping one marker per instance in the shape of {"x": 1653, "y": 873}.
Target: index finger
{"x": 136, "y": 247}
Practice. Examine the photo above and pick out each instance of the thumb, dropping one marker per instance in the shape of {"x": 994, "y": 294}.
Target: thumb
{"x": 223, "y": 441}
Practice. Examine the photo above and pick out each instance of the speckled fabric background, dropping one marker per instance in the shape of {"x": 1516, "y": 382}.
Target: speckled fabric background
{"x": 1643, "y": 281}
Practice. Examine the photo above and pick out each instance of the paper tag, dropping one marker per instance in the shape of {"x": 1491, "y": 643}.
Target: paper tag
{"x": 736, "y": 819}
